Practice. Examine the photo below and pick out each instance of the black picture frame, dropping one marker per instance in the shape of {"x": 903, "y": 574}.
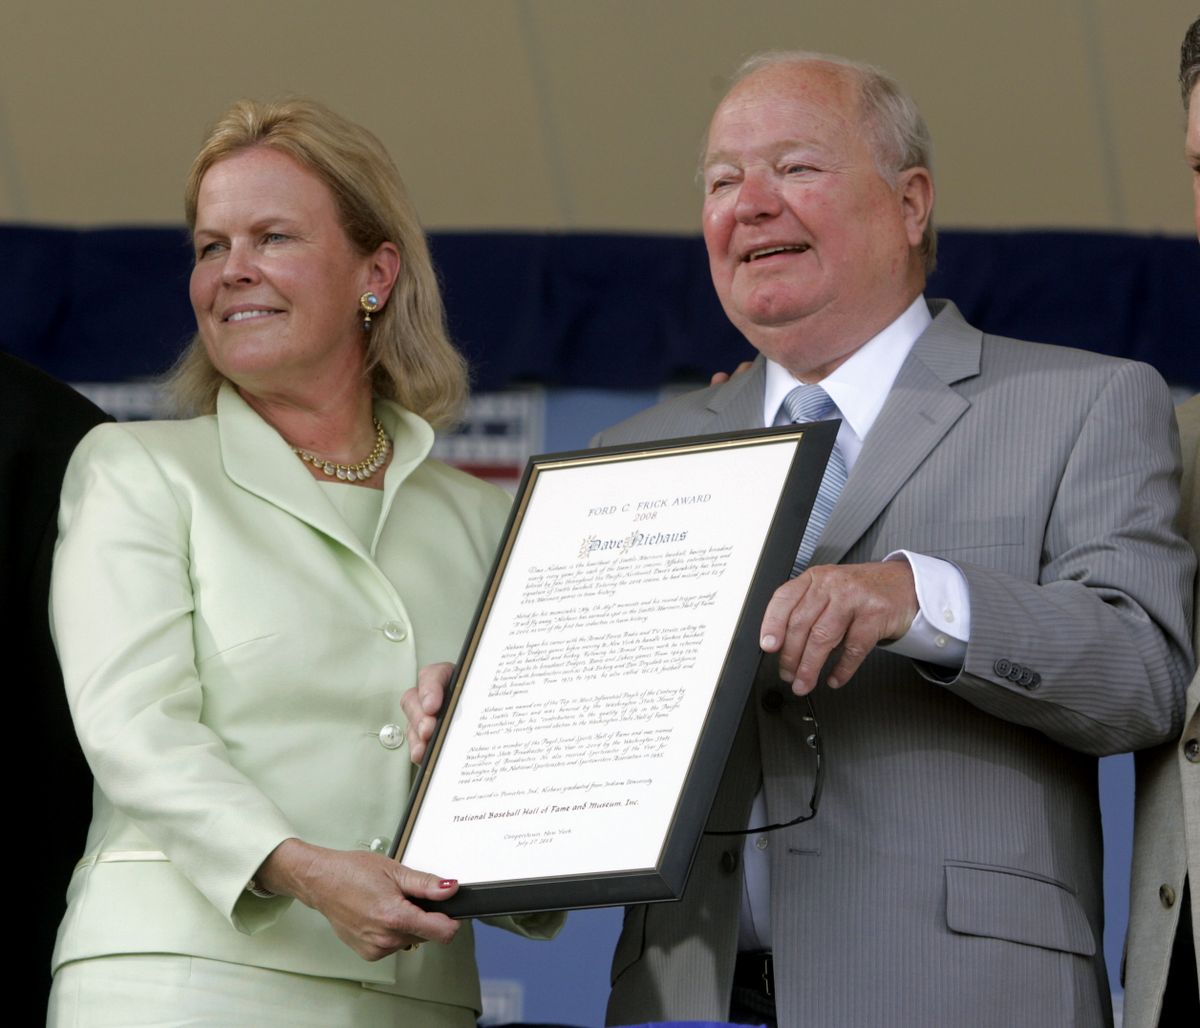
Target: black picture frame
{"x": 666, "y": 877}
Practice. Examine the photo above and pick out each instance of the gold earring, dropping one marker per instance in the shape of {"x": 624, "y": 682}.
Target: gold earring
{"x": 369, "y": 303}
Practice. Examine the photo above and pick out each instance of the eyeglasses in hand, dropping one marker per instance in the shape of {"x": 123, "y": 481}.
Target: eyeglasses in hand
{"x": 814, "y": 740}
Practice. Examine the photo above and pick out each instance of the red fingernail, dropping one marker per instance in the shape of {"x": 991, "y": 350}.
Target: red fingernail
{"x": 447, "y": 883}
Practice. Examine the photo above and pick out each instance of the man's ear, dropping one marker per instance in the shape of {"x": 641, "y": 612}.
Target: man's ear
{"x": 915, "y": 190}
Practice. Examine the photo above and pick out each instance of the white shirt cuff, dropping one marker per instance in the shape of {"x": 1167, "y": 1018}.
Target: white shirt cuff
{"x": 942, "y": 628}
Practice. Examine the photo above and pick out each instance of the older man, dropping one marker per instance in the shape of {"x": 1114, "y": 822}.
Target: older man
{"x": 997, "y": 598}
{"x": 993, "y": 596}
{"x": 1163, "y": 958}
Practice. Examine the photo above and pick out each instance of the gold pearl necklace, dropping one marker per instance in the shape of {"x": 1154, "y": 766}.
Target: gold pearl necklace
{"x": 359, "y": 472}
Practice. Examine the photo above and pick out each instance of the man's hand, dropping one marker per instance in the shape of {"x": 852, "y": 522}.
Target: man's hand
{"x": 421, "y": 704}
{"x": 850, "y": 607}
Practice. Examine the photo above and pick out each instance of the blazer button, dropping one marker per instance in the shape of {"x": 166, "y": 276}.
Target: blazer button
{"x": 391, "y": 737}
{"x": 1167, "y": 895}
{"x": 1002, "y": 667}
{"x": 772, "y": 700}
{"x": 729, "y": 861}
{"x": 1191, "y": 750}
{"x": 395, "y": 631}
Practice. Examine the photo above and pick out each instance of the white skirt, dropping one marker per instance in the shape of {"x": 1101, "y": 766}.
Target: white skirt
{"x": 165, "y": 991}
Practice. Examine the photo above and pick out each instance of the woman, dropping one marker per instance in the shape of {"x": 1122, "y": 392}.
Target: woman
{"x": 240, "y": 599}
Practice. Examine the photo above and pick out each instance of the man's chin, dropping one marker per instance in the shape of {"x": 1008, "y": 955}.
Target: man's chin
{"x": 771, "y": 325}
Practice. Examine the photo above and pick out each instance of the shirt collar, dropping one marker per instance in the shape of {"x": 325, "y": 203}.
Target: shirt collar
{"x": 860, "y": 385}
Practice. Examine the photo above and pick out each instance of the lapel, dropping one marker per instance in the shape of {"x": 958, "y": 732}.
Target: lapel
{"x": 920, "y": 409}
{"x": 257, "y": 459}
{"x": 738, "y": 403}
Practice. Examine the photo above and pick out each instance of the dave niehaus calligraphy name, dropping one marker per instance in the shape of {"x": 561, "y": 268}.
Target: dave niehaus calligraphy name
{"x": 593, "y": 544}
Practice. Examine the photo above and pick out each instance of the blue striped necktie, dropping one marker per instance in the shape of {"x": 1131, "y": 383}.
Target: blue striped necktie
{"x": 812, "y": 403}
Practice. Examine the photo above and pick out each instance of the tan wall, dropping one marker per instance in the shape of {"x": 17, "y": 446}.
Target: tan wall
{"x": 587, "y": 115}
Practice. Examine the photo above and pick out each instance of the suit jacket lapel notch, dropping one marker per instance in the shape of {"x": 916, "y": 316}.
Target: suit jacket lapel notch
{"x": 738, "y": 403}
{"x": 920, "y": 409}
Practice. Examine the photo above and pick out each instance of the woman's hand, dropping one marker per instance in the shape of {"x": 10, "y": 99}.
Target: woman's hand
{"x": 364, "y": 896}
{"x": 421, "y": 705}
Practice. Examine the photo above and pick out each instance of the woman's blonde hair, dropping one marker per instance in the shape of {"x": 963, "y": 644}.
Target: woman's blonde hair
{"x": 409, "y": 355}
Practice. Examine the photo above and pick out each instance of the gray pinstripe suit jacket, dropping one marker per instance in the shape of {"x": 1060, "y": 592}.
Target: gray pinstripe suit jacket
{"x": 953, "y": 874}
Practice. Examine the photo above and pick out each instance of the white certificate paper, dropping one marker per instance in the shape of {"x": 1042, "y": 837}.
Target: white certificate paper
{"x": 572, "y": 728}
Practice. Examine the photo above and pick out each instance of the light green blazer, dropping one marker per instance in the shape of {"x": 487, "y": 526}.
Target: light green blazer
{"x": 234, "y": 657}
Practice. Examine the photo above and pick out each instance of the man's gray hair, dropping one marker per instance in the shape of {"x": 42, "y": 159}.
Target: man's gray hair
{"x": 900, "y": 138}
{"x": 1189, "y": 62}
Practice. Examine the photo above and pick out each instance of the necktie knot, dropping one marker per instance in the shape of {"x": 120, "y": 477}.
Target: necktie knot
{"x": 808, "y": 403}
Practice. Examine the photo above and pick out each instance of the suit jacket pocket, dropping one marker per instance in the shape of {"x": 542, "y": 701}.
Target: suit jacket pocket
{"x": 632, "y": 942}
{"x": 941, "y": 537}
{"x": 1007, "y": 903}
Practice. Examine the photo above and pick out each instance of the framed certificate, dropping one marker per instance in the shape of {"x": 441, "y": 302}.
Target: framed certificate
{"x": 591, "y": 713}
